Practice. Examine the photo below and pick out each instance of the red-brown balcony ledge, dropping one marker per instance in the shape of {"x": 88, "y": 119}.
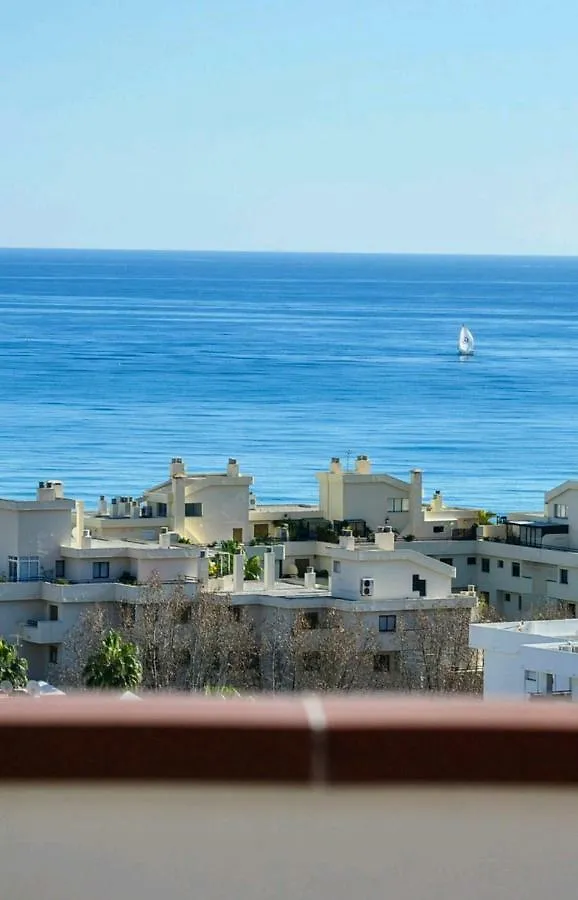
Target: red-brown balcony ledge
{"x": 301, "y": 740}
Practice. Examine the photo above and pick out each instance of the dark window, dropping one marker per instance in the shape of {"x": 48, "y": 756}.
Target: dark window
{"x": 336, "y": 566}
{"x": 519, "y": 601}
{"x": 437, "y": 529}
{"x": 516, "y": 570}
{"x": 53, "y": 655}
{"x": 381, "y": 662}
{"x": 100, "y": 570}
{"x": 507, "y": 598}
{"x": 447, "y": 560}
{"x": 418, "y": 584}
{"x": 59, "y": 569}
{"x": 572, "y": 610}
{"x": 53, "y": 613}
{"x": 193, "y": 509}
{"x": 235, "y": 613}
{"x": 471, "y": 560}
{"x": 563, "y": 576}
{"x": 387, "y": 623}
{"x": 162, "y": 510}
{"x": 311, "y": 620}
{"x": 485, "y": 565}
{"x": 500, "y": 564}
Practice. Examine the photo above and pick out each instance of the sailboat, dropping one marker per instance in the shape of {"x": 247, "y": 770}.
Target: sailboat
{"x": 465, "y": 342}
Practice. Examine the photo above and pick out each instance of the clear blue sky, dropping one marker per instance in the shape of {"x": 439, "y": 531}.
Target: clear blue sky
{"x": 332, "y": 125}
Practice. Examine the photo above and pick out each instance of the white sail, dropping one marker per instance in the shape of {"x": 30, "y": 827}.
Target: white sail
{"x": 465, "y": 341}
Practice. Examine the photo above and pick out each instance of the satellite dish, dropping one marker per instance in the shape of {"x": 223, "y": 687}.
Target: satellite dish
{"x": 6, "y": 687}
{"x": 33, "y": 688}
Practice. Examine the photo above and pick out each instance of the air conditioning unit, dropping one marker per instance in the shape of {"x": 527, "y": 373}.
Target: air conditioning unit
{"x": 366, "y": 587}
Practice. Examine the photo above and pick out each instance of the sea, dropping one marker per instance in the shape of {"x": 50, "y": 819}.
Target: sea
{"x": 111, "y": 363}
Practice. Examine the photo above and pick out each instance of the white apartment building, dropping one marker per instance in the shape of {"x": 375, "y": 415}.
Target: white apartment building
{"x": 201, "y": 507}
{"x": 529, "y": 660}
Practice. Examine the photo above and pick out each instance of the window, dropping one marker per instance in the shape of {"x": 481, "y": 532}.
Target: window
{"x": 572, "y": 610}
{"x": 438, "y": 529}
{"x": 519, "y": 602}
{"x": 235, "y": 613}
{"x": 53, "y": 655}
{"x": 507, "y": 598}
{"x": 397, "y": 504}
{"x": 336, "y": 566}
{"x": 500, "y": 564}
{"x": 100, "y": 570}
{"x": 447, "y": 560}
{"x": 560, "y": 511}
{"x": 381, "y": 662}
{"x": 530, "y": 675}
{"x": 485, "y": 565}
{"x": 515, "y": 570}
{"x": 471, "y": 560}
{"x": 261, "y": 530}
{"x": 419, "y": 584}
{"x": 23, "y": 568}
{"x": 563, "y": 576}
{"x": 59, "y": 569}
{"x": 162, "y": 510}
{"x": 53, "y": 613}
{"x": 387, "y": 623}
{"x": 238, "y": 535}
{"x": 193, "y": 509}
{"x": 311, "y": 620}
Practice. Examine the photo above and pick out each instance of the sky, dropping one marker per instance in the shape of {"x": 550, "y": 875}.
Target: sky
{"x": 425, "y": 126}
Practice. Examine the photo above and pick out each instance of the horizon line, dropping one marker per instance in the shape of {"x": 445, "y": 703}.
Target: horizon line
{"x": 410, "y": 253}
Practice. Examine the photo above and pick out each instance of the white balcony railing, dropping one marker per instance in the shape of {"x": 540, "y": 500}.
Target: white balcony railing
{"x": 42, "y": 631}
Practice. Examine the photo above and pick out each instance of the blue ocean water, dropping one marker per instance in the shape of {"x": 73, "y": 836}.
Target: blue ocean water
{"x": 112, "y": 362}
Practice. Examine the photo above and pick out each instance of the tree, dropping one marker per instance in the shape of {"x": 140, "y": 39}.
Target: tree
{"x": 252, "y": 568}
{"x": 435, "y": 652}
{"x": 13, "y": 668}
{"x": 485, "y": 517}
{"x": 115, "y": 664}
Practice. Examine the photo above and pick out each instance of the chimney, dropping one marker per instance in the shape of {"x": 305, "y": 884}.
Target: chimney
{"x": 346, "y": 540}
{"x": 363, "y": 465}
{"x": 177, "y": 466}
{"x": 102, "y": 509}
{"x": 335, "y": 466}
{"x": 232, "y": 468}
{"x": 385, "y": 538}
{"x": 269, "y": 569}
{"x": 48, "y": 491}
{"x": 437, "y": 502}
{"x": 310, "y": 578}
{"x": 238, "y": 573}
{"x": 86, "y": 540}
{"x": 79, "y": 522}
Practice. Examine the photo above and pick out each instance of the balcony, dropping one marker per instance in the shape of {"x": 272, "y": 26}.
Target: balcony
{"x": 555, "y": 590}
{"x": 323, "y": 798}
{"x": 42, "y": 631}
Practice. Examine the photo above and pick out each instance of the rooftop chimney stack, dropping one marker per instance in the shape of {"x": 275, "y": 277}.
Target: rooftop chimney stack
{"x": 347, "y": 540}
{"x": 335, "y": 466}
{"x": 177, "y": 466}
{"x": 363, "y": 465}
{"x": 102, "y": 508}
{"x": 232, "y": 468}
{"x": 385, "y": 538}
{"x": 48, "y": 491}
{"x": 310, "y": 578}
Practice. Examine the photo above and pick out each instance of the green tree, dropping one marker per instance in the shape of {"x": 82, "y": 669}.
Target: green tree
{"x": 253, "y": 568}
{"x": 115, "y": 664}
{"x": 485, "y": 517}
{"x": 13, "y": 668}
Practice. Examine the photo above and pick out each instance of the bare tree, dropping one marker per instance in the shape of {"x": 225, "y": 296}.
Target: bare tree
{"x": 435, "y": 654}
{"x": 80, "y": 642}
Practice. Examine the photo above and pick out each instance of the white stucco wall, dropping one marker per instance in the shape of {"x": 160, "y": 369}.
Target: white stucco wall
{"x": 392, "y": 574}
